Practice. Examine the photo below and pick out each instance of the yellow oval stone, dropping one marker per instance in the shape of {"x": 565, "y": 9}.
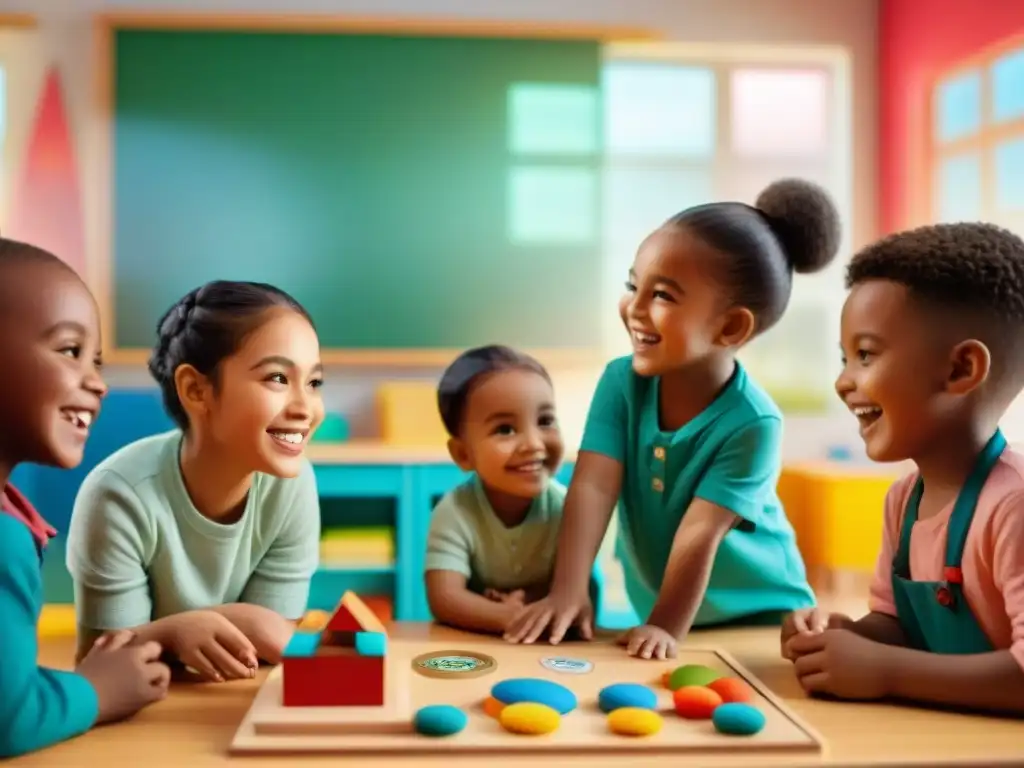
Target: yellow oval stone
{"x": 529, "y": 718}
{"x": 634, "y": 721}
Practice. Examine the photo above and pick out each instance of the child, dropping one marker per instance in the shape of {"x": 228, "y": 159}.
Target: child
{"x": 933, "y": 356}
{"x": 206, "y": 538}
{"x": 685, "y": 440}
{"x": 492, "y": 539}
{"x": 49, "y": 341}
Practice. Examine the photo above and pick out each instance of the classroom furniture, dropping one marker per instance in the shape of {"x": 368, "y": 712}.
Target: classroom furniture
{"x": 382, "y": 177}
{"x": 836, "y": 509}
{"x": 194, "y": 726}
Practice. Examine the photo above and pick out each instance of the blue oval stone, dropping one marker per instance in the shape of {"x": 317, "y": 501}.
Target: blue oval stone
{"x": 737, "y": 719}
{"x": 621, "y": 695}
{"x": 537, "y": 691}
{"x": 439, "y": 720}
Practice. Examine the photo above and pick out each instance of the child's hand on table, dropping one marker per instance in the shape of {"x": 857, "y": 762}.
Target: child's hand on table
{"x": 809, "y": 621}
{"x": 267, "y": 630}
{"x": 559, "y": 612}
{"x": 841, "y": 663}
{"x": 126, "y": 676}
{"x": 649, "y": 642}
{"x": 210, "y": 644}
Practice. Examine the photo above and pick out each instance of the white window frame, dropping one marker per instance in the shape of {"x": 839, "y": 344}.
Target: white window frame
{"x": 825, "y": 290}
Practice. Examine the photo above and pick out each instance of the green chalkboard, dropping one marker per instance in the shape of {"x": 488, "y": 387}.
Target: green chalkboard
{"x": 388, "y": 182}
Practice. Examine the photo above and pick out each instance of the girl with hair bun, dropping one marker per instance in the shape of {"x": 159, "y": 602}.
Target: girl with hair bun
{"x": 683, "y": 439}
{"x": 205, "y": 538}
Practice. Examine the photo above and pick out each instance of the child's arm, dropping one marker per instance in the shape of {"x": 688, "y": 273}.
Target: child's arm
{"x": 38, "y": 706}
{"x": 833, "y": 664}
{"x": 589, "y": 503}
{"x": 448, "y": 566}
{"x": 454, "y": 604}
{"x": 731, "y": 492}
{"x": 689, "y": 566}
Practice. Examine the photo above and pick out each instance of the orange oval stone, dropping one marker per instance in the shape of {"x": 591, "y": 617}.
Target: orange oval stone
{"x": 732, "y": 689}
{"x": 695, "y": 702}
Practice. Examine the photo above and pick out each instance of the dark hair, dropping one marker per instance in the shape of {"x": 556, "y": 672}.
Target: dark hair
{"x": 792, "y": 227}
{"x": 466, "y": 371}
{"x": 207, "y": 325}
{"x": 972, "y": 272}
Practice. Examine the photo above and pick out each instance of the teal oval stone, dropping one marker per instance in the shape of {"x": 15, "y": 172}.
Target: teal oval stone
{"x": 737, "y": 719}
{"x": 439, "y": 720}
{"x": 622, "y": 695}
{"x": 537, "y": 691}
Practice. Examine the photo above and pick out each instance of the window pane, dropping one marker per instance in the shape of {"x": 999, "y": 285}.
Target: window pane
{"x": 958, "y": 107}
{"x": 637, "y": 200}
{"x": 659, "y": 109}
{"x": 1008, "y": 86}
{"x": 958, "y": 189}
{"x": 745, "y": 181}
{"x": 1009, "y": 164}
{"x": 779, "y": 112}
{"x": 552, "y": 205}
{"x": 552, "y": 118}
{"x": 797, "y": 360}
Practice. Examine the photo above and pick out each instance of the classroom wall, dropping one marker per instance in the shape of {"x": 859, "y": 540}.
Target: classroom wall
{"x": 913, "y": 49}
{"x": 65, "y": 37}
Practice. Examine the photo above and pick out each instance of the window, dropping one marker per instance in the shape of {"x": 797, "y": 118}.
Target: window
{"x": 553, "y": 184}
{"x": 684, "y": 126}
{"x": 977, "y": 141}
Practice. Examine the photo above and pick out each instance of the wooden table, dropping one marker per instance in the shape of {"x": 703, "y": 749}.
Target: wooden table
{"x": 193, "y": 727}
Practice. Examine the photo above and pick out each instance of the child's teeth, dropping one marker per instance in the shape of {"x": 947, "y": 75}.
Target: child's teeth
{"x": 289, "y": 437}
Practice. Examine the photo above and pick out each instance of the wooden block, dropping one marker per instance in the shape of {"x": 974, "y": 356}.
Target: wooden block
{"x": 371, "y": 643}
{"x": 353, "y": 615}
{"x": 333, "y": 679}
{"x": 302, "y": 644}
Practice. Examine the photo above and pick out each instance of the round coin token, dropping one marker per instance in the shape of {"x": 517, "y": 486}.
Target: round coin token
{"x": 461, "y": 664}
{"x": 567, "y": 665}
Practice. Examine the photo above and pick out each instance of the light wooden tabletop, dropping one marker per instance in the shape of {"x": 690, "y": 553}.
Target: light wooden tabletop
{"x": 194, "y": 726}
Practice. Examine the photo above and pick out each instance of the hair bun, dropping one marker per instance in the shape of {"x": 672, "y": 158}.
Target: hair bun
{"x": 804, "y": 219}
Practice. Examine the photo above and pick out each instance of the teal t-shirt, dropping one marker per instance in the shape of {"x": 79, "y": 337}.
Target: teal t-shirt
{"x": 39, "y": 707}
{"x": 729, "y": 455}
{"x": 139, "y": 550}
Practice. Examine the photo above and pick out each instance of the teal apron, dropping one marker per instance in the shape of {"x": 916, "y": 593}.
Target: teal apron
{"x": 934, "y": 615}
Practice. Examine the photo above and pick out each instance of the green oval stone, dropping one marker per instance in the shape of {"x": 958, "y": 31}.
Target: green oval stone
{"x": 691, "y": 674}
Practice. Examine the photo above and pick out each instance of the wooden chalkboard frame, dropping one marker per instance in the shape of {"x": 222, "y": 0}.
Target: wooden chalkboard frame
{"x": 100, "y": 251}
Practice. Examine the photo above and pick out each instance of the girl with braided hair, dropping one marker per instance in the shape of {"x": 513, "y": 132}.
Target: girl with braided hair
{"x": 205, "y": 538}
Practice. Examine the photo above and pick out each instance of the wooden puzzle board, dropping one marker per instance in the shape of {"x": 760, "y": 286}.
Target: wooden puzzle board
{"x": 269, "y": 728}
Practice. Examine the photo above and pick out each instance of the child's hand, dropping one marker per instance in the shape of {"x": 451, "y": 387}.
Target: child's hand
{"x": 211, "y": 645}
{"x": 841, "y": 663}
{"x": 555, "y": 611}
{"x": 267, "y": 630}
{"x": 649, "y": 642}
{"x": 809, "y": 621}
{"x": 126, "y": 677}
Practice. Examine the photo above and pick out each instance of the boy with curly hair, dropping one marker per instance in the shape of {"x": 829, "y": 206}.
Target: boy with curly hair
{"x": 933, "y": 355}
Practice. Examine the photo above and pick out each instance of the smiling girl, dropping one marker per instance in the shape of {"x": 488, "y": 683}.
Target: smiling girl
{"x": 683, "y": 439}
{"x": 205, "y": 538}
